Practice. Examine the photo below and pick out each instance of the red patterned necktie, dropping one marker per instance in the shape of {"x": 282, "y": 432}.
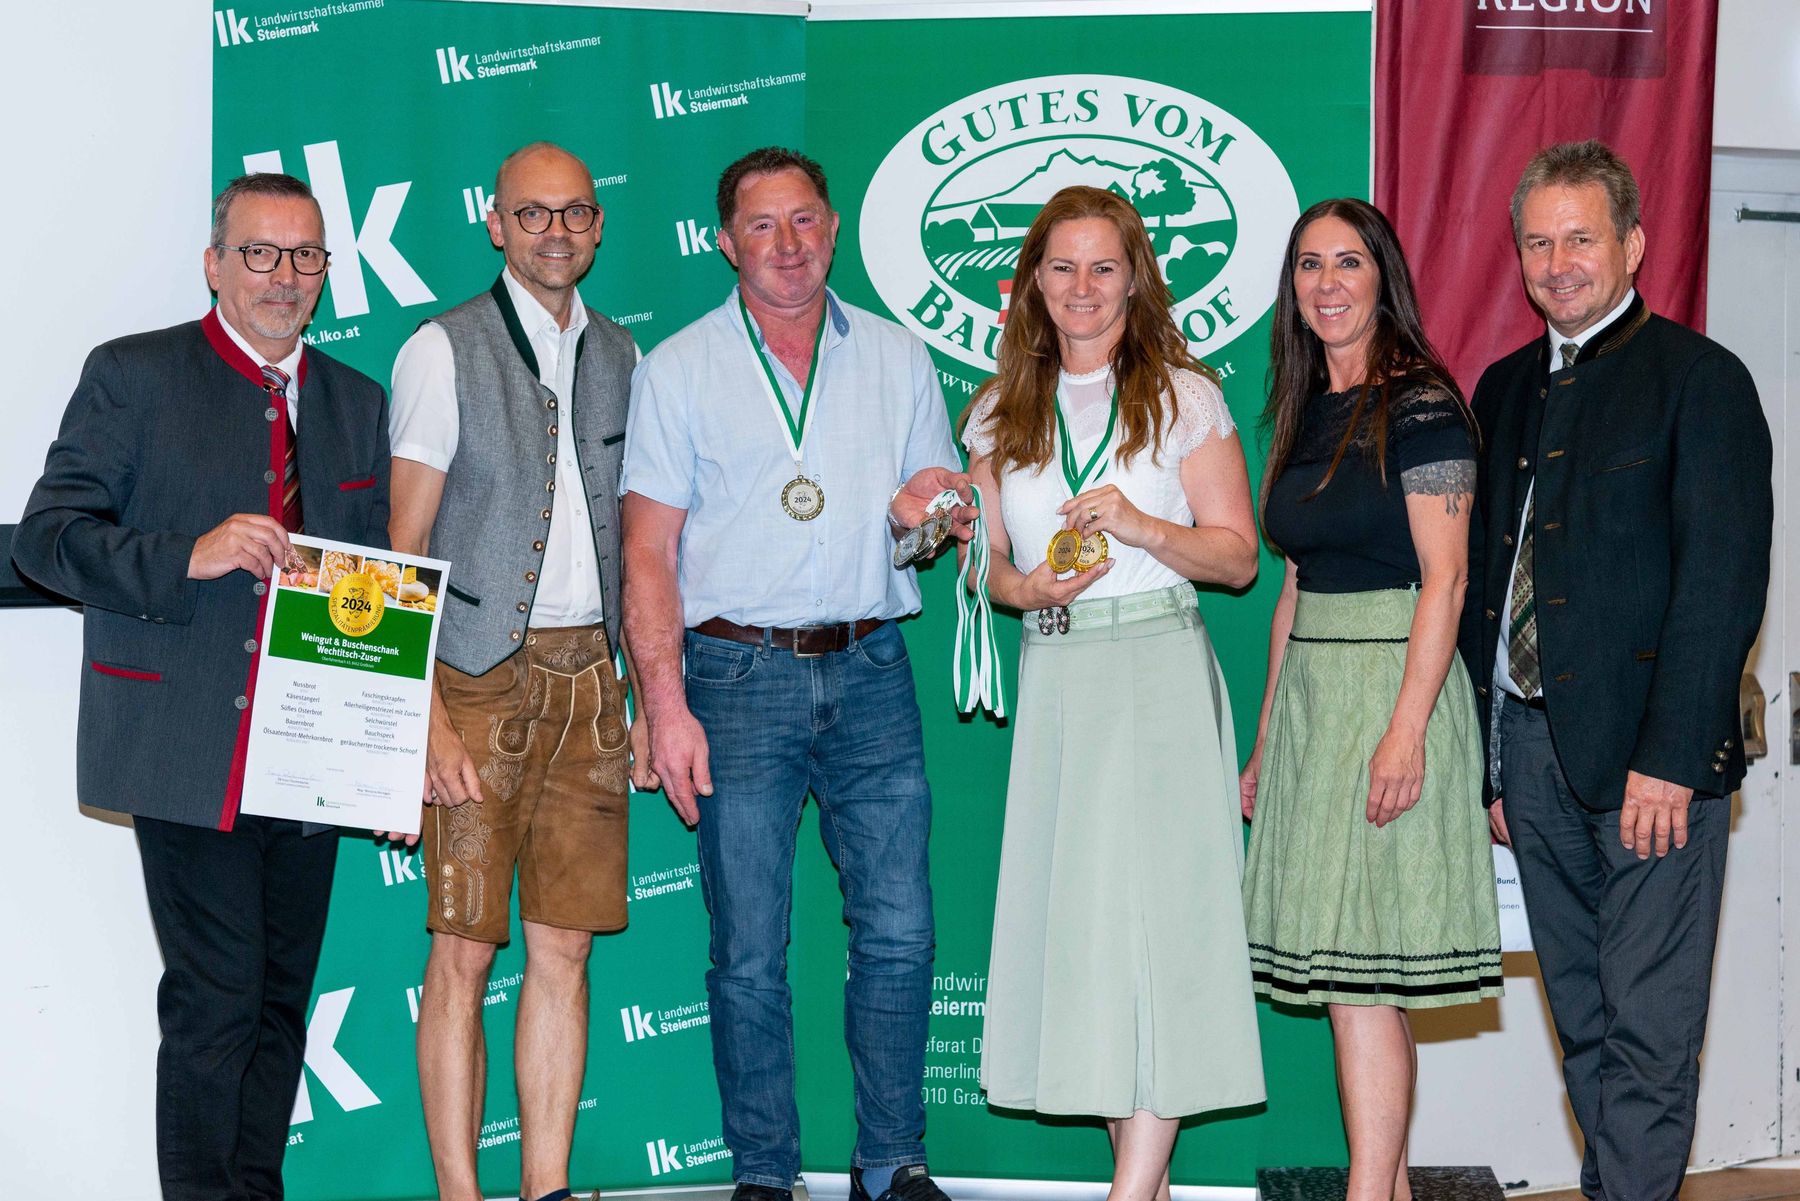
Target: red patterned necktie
{"x": 276, "y": 381}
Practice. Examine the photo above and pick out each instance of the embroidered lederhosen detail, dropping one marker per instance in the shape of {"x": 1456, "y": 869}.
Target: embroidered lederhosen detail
{"x": 468, "y": 846}
{"x": 509, "y": 739}
{"x": 611, "y": 736}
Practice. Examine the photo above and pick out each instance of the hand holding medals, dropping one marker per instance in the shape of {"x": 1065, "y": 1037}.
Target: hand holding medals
{"x": 942, "y": 500}
{"x": 927, "y": 538}
{"x": 1051, "y": 586}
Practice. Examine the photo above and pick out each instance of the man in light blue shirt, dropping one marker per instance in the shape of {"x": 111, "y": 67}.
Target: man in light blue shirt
{"x": 774, "y": 449}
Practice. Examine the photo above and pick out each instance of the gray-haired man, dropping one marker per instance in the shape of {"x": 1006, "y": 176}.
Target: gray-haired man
{"x": 186, "y": 458}
{"x": 1618, "y": 566}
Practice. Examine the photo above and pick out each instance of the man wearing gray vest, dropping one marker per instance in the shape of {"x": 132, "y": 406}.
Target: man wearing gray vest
{"x": 508, "y": 425}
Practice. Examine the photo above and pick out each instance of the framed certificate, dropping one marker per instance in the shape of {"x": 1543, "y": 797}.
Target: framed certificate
{"x": 342, "y": 704}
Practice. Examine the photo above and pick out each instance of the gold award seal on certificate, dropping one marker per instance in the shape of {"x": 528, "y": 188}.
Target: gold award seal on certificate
{"x": 1064, "y": 551}
{"x": 356, "y": 604}
{"x": 802, "y": 499}
{"x": 1093, "y": 552}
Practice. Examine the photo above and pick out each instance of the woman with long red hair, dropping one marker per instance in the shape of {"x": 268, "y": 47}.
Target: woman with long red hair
{"x": 1119, "y": 985}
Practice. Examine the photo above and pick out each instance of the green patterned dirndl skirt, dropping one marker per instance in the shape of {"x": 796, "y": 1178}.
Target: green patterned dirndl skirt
{"x": 1336, "y": 910}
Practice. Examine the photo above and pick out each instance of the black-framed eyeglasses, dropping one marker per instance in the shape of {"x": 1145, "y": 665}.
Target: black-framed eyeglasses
{"x": 576, "y": 218}
{"x": 264, "y": 257}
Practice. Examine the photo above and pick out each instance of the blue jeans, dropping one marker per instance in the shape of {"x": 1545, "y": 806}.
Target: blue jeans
{"x": 845, "y": 727}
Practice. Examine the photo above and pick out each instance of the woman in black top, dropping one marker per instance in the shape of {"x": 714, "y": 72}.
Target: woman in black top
{"x": 1369, "y": 886}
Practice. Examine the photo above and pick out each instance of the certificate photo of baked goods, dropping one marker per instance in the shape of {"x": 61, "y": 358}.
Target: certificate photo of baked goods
{"x": 343, "y": 687}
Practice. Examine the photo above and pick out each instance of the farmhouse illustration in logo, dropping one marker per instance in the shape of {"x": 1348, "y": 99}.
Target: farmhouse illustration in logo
{"x": 974, "y": 243}
{"x": 965, "y": 184}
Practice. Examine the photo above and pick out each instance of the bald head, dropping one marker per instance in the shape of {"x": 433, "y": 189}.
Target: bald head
{"x": 535, "y": 155}
{"x": 546, "y": 222}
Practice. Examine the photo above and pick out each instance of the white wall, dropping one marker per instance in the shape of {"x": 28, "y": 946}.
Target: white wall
{"x": 1757, "y": 101}
{"x": 107, "y": 132}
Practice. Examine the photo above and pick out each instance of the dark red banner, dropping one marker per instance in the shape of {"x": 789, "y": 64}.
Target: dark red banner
{"x": 1467, "y": 90}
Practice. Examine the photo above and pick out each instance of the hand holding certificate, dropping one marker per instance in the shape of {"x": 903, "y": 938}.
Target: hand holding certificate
{"x": 342, "y": 703}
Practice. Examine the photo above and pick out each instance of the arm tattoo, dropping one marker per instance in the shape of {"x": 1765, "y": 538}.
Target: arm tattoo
{"x": 1453, "y": 479}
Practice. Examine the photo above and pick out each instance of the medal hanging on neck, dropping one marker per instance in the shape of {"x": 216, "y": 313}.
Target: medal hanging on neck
{"x": 803, "y": 498}
{"x": 1070, "y": 549}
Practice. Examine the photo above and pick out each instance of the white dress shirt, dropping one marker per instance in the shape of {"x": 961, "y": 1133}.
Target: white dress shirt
{"x": 423, "y": 426}
{"x": 290, "y": 366}
{"x": 1503, "y": 655}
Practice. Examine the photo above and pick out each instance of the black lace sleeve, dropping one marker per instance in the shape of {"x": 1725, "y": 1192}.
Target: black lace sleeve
{"x": 1427, "y": 426}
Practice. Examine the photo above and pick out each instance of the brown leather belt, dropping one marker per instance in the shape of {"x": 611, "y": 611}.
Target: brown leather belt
{"x": 805, "y": 641}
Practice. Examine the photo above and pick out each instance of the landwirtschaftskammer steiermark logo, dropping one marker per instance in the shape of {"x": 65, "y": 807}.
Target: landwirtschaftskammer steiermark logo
{"x": 947, "y": 210}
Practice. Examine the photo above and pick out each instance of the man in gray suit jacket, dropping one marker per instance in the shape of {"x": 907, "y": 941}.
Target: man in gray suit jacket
{"x": 165, "y": 505}
{"x": 508, "y": 427}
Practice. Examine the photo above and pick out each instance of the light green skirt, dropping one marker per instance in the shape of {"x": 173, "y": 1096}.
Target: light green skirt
{"x": 1337, "y": 910}
{"x": 1119, "y": 979}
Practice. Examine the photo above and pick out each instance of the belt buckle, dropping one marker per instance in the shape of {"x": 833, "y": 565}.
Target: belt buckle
{"x": 807, "y": 633}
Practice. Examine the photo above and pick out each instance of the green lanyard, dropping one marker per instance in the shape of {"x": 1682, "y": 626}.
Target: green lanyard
{"x": 1076, "y": 476}
{"x": 975, "y": 672}
{"x": 793, "y": 425}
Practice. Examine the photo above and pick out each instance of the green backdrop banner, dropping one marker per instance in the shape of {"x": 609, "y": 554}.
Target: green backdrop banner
{"x": 398, "y": 112}
{"x": 941, "y": 138}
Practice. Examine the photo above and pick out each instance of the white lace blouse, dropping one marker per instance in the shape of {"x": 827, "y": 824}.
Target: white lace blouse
{"x": 1029, "y": 499}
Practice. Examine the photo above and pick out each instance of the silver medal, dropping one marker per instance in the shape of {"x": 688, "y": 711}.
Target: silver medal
{"x": 907, "y": 549}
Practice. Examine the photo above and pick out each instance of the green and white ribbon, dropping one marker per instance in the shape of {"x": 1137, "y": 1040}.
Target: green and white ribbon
{"x": 1076, "y": 476}
{"x": 976, "y": 674}
{"x": 793, "y": 425}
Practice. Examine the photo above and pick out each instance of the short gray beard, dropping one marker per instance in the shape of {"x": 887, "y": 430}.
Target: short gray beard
{"x": 266, "y": 329}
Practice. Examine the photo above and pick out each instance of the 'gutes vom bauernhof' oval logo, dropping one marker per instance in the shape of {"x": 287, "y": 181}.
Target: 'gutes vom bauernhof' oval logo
{"x": 948, "y": 208}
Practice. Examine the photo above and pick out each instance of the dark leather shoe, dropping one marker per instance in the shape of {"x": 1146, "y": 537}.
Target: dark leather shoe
{"x": 911, "y": 1183}
{"x": 760, "y": 1192}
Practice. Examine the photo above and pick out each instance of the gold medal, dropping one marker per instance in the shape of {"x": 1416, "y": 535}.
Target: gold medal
{"x": 937, "y": 531}
{"x": 1064, "y": 551}
{"x": 1092, "y": 552}
{"x": 802, "y": 499}
{"x": 356, "y": 604}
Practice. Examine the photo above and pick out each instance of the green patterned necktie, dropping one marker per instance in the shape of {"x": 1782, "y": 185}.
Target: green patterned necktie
{"x": 1522, "y": 636}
